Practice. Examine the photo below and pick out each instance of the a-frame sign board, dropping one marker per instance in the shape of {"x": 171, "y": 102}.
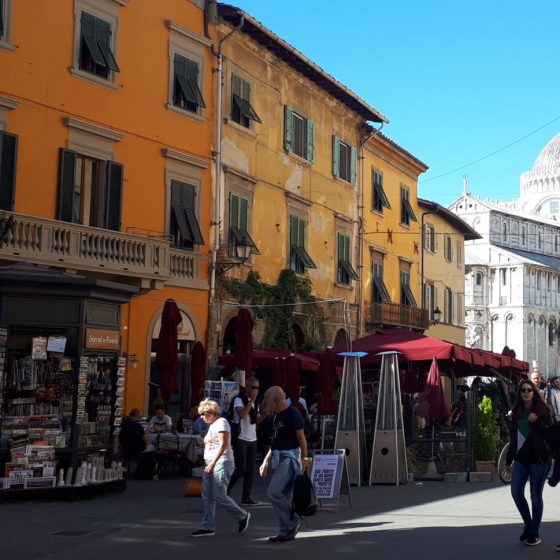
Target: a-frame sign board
{"x": 329, "y": 474}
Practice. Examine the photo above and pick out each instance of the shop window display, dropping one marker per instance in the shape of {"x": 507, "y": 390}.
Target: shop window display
{"x": 59, "y": 412}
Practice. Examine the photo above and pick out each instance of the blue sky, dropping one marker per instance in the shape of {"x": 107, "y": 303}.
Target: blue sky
{"x": 458, "y": 80}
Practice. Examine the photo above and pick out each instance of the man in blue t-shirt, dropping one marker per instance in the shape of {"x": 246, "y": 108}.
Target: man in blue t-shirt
{"x": 287, "y": 447}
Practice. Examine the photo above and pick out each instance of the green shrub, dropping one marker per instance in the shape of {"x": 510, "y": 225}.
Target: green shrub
{"x": 485, "y": 435}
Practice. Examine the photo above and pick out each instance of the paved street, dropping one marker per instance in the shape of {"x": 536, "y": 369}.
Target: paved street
{"x": 152, "y": 521}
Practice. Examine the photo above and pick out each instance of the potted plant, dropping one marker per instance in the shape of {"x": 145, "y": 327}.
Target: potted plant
{"x": 485, "y": 437}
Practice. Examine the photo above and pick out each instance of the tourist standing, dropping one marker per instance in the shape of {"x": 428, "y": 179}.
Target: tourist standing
{"x": 529, "y": 452}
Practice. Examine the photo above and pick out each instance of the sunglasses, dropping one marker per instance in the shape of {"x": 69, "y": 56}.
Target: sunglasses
{"x": 527, "y": 390}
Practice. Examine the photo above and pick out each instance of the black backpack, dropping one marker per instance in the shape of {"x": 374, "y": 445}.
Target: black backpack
{"x": 304, "y": 500}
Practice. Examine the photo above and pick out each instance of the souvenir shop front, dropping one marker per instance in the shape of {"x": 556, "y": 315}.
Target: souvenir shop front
{"x": 62, "y": 382}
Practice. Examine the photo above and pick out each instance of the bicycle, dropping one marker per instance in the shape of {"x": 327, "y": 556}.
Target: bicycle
{"x": 504, "y": 472}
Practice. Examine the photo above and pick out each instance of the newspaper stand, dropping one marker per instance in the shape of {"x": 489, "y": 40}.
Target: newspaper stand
{"x": 350, "y": 428}
{"x": 388, "y": 458}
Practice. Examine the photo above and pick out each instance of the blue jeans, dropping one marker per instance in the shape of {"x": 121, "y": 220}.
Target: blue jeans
{"x": 536, "y": 474}
{"x": 280, "y": 491}
{"x": 214, "y": 491}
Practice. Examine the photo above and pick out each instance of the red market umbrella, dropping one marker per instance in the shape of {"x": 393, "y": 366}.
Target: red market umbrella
{"x": 166, "y": 351}
{"x": 279, "y": 373}
{"x": 244, "y": 341}
{"x": 266, "y": 357}
{"x": 433, "y": 393}
{"x": 198, "y": 372}
{"x": 326, "y": 383}
{"x": 292, "y": 381}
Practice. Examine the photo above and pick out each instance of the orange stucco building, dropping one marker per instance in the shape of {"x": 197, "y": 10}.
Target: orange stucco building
{"x": 106, "y": 112}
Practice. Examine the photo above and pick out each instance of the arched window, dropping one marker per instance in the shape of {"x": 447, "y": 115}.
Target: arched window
{"x": 341, "y": 338}
{"x": 478, "y": 279}
{"x": 504, "y": 231}
{"x": 551, "y": 330}
{"x": 540, "y": 239}
{"x": 523, "y": 236}
{"x": 556, "y": 243}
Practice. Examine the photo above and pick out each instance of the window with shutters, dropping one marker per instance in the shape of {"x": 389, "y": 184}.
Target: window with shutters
{"x": 448, "y": 306}
{"x": 448, "y": 248}
{"x": 299, "y": 257}
{"x": 407, "y": 213}
{"x": 8, "y": 164}
{"x": 239, "y": 237}
{"x": 460, "y": 319}
{"x": 187, "y": 94}
{"x": 6, "y": 25}
{"x": 96, "y": 55}
{"x": 184, "y": 228}
{"x": 379, "y": 198}
{"x": 430, "y": 238}
{"x": 90, "y": 190}
{"x": 298, "y": 134}
{"x": 379, "y": 293}
{"x": 242, "y": 111}
{"x": 459, "y": 254}
{"x": 430, "y": 298}
{"x": 345, "y": 161}
{"x": 407, "y": 297}
{"x": 345, "y": 270}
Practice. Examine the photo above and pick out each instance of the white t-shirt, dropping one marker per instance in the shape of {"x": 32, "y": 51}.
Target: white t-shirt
{"x": 212, "y": 441}
{"x": 161, "y": 425}
{"x": 247, "y": 431}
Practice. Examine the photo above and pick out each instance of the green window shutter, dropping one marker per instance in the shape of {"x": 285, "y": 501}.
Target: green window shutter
{"x": 233, "y": 210}
{"x": 353, "y": 165}
{"x": 8, "y": 159}
{"x": 336, "y": 156}
{"x": 113, "y": 195}
{"x": 301, "y": 233}
{"x": 310, "y": 140}
{"x": 66, "y": 171}
{"x": 293, "y": 231}
{"x": 1, "y": 18}
{"x": 245, "y": 92}
{"x": 188, "y": 199}
{"x": 236, "y": 85}
{"x": 89, "y": 38}
{"x": 103, "y": 39}
{"x": 340, "y": 247}
{"x": 288, "y": 127}
{"x": 243, "y": 214}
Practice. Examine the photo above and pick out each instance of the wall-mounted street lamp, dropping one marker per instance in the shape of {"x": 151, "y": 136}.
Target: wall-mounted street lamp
{"x": 243, "y": 246}
{"x": 437, "y": 315}
{"x": 131, "y": 359}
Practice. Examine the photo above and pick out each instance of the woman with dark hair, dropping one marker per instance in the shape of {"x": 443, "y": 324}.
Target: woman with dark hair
{"x": 529, "y": 452}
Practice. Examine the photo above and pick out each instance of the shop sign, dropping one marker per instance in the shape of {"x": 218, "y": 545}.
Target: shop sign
{"x": 102, "y": 339}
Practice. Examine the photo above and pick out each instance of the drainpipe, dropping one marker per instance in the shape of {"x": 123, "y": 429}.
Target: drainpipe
{"x": 217, "y": 182}
{"x": 371, "y": 132}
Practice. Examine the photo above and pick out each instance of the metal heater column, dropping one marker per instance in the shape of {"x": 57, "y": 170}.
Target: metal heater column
{"x": 350, "y": 427}
{"x": 388, "y": 458}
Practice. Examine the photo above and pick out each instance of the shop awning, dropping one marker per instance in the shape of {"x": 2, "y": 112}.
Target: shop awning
{"x": 265, "y": 357}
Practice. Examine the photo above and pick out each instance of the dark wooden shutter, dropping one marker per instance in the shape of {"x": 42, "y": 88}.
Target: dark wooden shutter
{"x": 336, "y": 156}
{"x": 113, "y": 195}
{"x": 103, "y": 39}
{"x": 288, "y": 128}
{"x": 243, "y": 214}
{"x": 66, "y": 171}
{"x": 8, "y": 159}
{"x": 188, "y": 193}
{"x": 233, "y": 210}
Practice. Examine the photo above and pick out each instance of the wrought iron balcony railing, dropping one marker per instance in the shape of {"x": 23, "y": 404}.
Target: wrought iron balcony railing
{"x": 395, "y": 314}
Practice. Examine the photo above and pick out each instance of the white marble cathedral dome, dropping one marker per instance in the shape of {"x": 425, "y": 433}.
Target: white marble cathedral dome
{"x": 540, "y": 186}
{"x": 548, "y": 161}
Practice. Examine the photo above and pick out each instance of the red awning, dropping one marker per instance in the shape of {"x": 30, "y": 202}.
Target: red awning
{"x": 264, "y": 357}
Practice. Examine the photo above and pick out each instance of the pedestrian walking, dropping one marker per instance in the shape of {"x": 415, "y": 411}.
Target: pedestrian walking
{"x": 529, "y": 452}
{"x": 245, "y": 445}
{"x": 218, "y": 457}
{"x": 287, "y": 448}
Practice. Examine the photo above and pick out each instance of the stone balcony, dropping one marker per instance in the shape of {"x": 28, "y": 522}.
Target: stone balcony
{"x": 148, "y": 262}
{"x": 398, "y": 315}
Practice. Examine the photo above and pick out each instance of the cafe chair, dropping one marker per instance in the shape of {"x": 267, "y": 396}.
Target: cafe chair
{"x": 168, "y": 452}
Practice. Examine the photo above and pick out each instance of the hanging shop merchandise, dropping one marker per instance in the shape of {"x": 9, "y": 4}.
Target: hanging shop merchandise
{"x": 62, "y": 382}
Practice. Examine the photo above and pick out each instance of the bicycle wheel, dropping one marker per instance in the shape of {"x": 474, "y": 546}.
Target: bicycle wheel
{"x": 503, "y": 471}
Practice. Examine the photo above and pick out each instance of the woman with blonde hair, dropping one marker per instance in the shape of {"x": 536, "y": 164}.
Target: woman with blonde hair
{"x": 218, "y": 457}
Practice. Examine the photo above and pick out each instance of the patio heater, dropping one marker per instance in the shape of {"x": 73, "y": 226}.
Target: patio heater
{"x": 350, "y": 426}
{"x": 388, "y": 457}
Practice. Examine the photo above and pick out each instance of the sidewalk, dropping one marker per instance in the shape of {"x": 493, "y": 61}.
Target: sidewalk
{"x": 152, "y": 521}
